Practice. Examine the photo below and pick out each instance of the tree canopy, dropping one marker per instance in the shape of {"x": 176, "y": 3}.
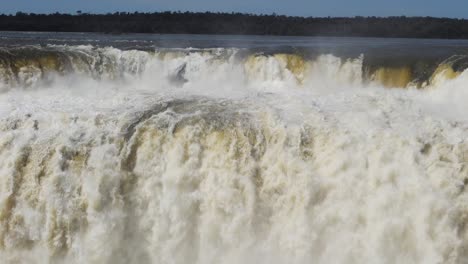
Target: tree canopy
{"x": 237, "y": 23}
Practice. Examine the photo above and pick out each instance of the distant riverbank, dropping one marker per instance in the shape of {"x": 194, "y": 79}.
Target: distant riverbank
{"x": 237, "y": 23}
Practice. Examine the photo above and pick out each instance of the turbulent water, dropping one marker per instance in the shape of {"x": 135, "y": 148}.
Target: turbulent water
{"x": 231, "y": 155}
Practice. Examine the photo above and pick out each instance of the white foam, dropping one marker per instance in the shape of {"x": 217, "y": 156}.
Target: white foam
{"x": 235, "y": 165}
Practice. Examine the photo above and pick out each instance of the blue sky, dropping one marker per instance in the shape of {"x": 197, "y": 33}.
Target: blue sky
{"x": 438, "y": 8}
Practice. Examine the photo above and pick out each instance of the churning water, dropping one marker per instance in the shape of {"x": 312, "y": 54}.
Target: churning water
{"x": 196, "y": 149}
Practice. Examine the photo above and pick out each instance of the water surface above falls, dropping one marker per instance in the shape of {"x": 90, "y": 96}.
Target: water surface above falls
{"x": 394, "y": 62}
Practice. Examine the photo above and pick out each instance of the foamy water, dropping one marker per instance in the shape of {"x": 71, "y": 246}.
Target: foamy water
{"x": 214, "y": 156}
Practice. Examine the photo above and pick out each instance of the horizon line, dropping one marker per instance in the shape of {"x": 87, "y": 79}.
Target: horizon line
{"x": 81, "y": 12}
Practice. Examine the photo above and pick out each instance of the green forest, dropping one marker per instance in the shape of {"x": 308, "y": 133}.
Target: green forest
{"x": 238, "y": 23}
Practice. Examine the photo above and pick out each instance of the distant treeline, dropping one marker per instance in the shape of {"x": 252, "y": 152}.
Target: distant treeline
{"x": 237, "y": 23}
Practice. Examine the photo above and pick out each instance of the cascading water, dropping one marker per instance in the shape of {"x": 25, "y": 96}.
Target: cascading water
{"x": 226, "y": 156}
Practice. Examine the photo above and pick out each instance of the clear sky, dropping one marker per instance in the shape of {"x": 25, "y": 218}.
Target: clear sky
{"x": 438, "y": 8}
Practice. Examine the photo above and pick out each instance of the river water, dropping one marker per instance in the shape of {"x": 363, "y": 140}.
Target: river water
{"x": 232, "y": 149}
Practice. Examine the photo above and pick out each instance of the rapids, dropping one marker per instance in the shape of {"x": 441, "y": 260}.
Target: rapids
{"x": 222, "y": 155}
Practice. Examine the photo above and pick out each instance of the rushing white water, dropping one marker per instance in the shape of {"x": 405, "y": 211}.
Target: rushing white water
{"x": 208, "y": 157}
